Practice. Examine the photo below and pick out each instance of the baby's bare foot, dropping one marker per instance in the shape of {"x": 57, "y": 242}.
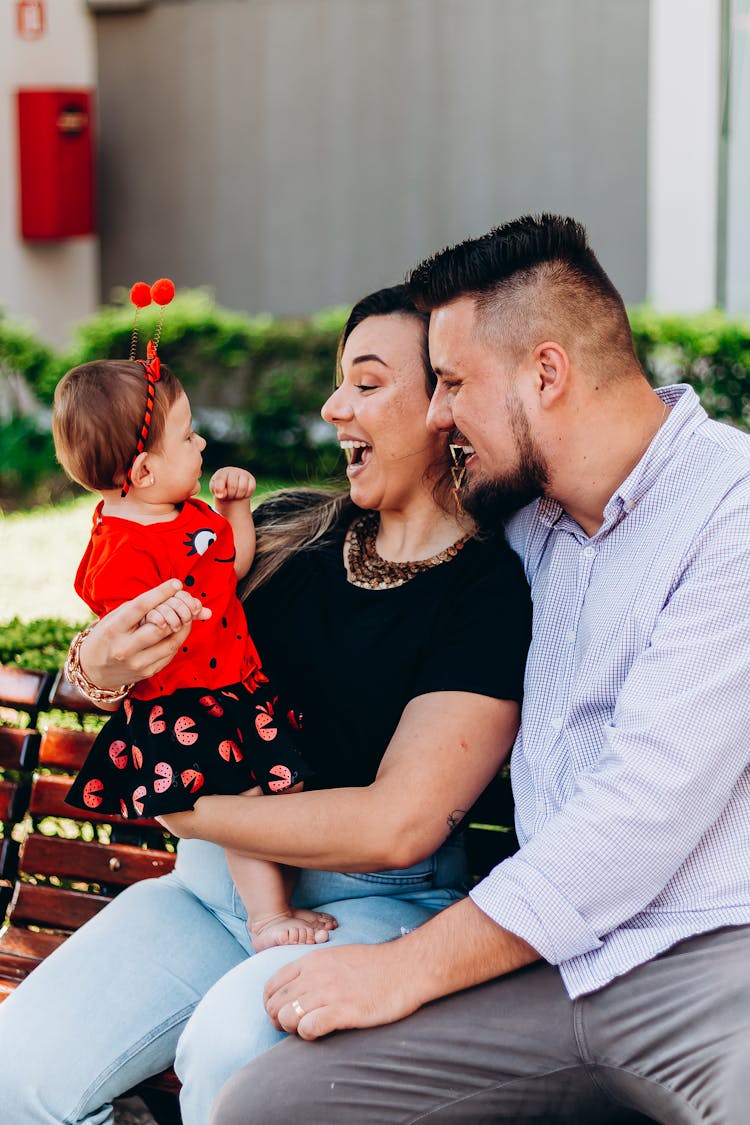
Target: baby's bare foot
{"x": 293, "y": 927}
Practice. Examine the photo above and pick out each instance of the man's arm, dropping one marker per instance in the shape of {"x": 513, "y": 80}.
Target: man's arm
{"x": 369, "y": 985}
{"x": 669, "y": 763}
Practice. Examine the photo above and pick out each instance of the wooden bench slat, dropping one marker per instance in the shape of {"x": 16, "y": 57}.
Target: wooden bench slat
{"x": 13, "y": 799}
{"x": 6, "y": 988}
{"x": 68, "y": 698}
{"x": 23, "y": 690}
{"x": 9, "y": 850}
{"x": 65, "y": 749}
{"x": 48, "y": 799}
{"x": 166, "y": 1081}
{"x": 55, "y": 907}
{"x": 19, "y": 749}
{"x": 119, "y": 864}
{"x": 21, "y": 950}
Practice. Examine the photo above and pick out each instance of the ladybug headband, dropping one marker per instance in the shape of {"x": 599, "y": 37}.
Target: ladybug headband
{"x": 141, "y": 295}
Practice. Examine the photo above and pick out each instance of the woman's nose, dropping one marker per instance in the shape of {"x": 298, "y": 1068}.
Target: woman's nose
{"x": 336, "y": 406}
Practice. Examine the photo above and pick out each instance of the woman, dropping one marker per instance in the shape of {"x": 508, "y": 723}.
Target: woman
{"x": 402, "y": 638}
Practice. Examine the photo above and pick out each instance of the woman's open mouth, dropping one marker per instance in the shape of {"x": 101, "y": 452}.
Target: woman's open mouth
{"x": 357, "y": 453}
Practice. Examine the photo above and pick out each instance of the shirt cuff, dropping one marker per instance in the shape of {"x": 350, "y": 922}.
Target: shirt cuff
{"x": 519, "y": 898}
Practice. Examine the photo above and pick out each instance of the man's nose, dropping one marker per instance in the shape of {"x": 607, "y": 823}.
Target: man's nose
{"x": 439, "y": 415}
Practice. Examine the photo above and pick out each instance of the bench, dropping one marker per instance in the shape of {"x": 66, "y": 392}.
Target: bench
{"x": 51, "y": 883}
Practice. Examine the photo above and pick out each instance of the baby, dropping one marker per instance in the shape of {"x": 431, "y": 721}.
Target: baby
{"x": 209, "y": 722}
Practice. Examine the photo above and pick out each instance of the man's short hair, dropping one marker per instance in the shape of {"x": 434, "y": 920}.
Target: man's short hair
{"x": 533, "y": 279}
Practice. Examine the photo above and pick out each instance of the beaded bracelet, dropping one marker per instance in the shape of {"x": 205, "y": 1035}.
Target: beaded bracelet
{"x": 75, "y": 674}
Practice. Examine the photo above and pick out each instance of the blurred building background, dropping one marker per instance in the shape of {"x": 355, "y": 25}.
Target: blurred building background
{"x": 293, "y": 154}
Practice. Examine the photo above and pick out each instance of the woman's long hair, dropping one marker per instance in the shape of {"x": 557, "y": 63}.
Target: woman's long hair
{"x": 296, "y": 518}
{"x": 291, "y": 520}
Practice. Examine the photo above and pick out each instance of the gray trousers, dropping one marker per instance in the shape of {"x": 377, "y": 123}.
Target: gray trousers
{"x": 668, "y": 1042}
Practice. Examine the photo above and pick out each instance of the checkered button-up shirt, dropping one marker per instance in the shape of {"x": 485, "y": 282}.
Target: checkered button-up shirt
{"x": 631, "y": 773}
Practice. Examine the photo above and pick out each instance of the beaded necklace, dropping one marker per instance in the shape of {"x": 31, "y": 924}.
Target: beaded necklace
{"x": 372, "y": 572}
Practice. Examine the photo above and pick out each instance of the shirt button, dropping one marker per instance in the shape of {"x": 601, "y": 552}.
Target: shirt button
{"x": 570, "y": 636}
{"x": 556, "y": 724}
{"x": 588, "y": 552}
{"x": 629, "y": 505}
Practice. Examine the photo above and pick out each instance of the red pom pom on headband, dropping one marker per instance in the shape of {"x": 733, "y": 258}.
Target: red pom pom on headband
{"x": 140, "y": 295}
{"x": 162, "y": 291}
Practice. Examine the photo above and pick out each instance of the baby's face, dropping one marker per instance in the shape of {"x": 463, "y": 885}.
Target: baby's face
{"x": 178, "y": 460}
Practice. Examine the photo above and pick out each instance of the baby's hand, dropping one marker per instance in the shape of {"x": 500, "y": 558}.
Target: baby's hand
{"x": 176, "y": 612}
{"x": 232, "y": 483}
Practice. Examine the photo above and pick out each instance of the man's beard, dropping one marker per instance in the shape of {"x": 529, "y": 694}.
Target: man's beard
{"x": 491, "y": 500}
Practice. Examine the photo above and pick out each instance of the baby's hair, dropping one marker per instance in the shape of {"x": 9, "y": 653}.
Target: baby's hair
{"x": 97, "y": 417}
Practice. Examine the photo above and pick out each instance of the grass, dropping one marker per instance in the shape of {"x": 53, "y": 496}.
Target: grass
{"x": 40, "y": 551}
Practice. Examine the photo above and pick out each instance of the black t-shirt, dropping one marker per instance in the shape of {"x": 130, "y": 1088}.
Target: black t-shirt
{"x": 350, "y": 659}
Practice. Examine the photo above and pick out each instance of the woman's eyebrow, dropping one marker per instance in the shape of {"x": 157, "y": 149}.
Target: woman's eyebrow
{"x": 368, "y": 359}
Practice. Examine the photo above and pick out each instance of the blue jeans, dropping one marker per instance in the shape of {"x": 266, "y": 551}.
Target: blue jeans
{"x": 166, "y": 974}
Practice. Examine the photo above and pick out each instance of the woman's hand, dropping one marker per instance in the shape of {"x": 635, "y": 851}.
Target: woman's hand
{"x": 127, "y": 645}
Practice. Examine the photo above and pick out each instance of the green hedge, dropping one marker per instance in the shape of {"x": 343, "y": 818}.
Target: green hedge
{"x": 257, "y": 383}
{"x": 40, "y": 645}
{"x": 710, "y": 351}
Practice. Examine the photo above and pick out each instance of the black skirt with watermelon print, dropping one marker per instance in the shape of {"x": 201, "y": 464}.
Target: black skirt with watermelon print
{"x": 157, "y": 756}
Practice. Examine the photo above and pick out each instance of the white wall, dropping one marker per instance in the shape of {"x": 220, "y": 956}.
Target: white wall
{"x": 683, "y": 144}
{"x": 293, "y": 154}
{"x": 738, "y": 162}
{"x": 52, "y": 285}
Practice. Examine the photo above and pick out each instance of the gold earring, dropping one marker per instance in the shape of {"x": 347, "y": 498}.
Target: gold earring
{"x": 458, "y": 473}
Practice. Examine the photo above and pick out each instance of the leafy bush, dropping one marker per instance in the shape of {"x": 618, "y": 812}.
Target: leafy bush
{"x": 22, "y": 354}
{"x": 40, "y": 645}
{"x": 709, "y": 351}
{"x": 257, "y": 383}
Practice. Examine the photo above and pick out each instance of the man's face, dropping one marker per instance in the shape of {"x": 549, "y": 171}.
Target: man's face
{"x": 479, "y": 393}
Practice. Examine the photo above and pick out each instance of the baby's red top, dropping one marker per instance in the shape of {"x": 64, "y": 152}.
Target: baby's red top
{"x": 123, "y": 559}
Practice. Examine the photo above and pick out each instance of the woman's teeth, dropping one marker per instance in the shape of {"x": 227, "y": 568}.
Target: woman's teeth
{"x": 353, "y": 451}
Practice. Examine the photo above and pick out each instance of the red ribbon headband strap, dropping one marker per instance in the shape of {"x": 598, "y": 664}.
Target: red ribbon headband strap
{"x": 141, "y": 295}
{"x": 152, "y": 371}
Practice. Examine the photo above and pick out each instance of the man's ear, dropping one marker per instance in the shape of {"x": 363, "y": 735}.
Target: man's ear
{"x": 553, "y": 371}
{"x": 141, "y": 474}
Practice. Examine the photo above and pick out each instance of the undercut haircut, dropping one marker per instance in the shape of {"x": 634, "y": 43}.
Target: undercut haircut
{"x": 534, "y": 279}
{"x": 97, "y": 417}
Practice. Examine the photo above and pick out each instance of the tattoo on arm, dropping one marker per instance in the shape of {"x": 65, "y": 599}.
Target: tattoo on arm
{"x": 455, "y": 818}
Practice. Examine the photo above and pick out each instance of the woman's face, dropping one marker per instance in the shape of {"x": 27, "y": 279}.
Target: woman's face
{"x": 380, "y": 413}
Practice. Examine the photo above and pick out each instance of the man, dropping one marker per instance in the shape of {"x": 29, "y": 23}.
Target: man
{"x": 607, "y": 962}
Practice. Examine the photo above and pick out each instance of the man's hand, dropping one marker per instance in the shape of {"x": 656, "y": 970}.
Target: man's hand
{"x": 368, "y": 985}
{"x": 338, "y": 988}
{"x": 230, "y": 484}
